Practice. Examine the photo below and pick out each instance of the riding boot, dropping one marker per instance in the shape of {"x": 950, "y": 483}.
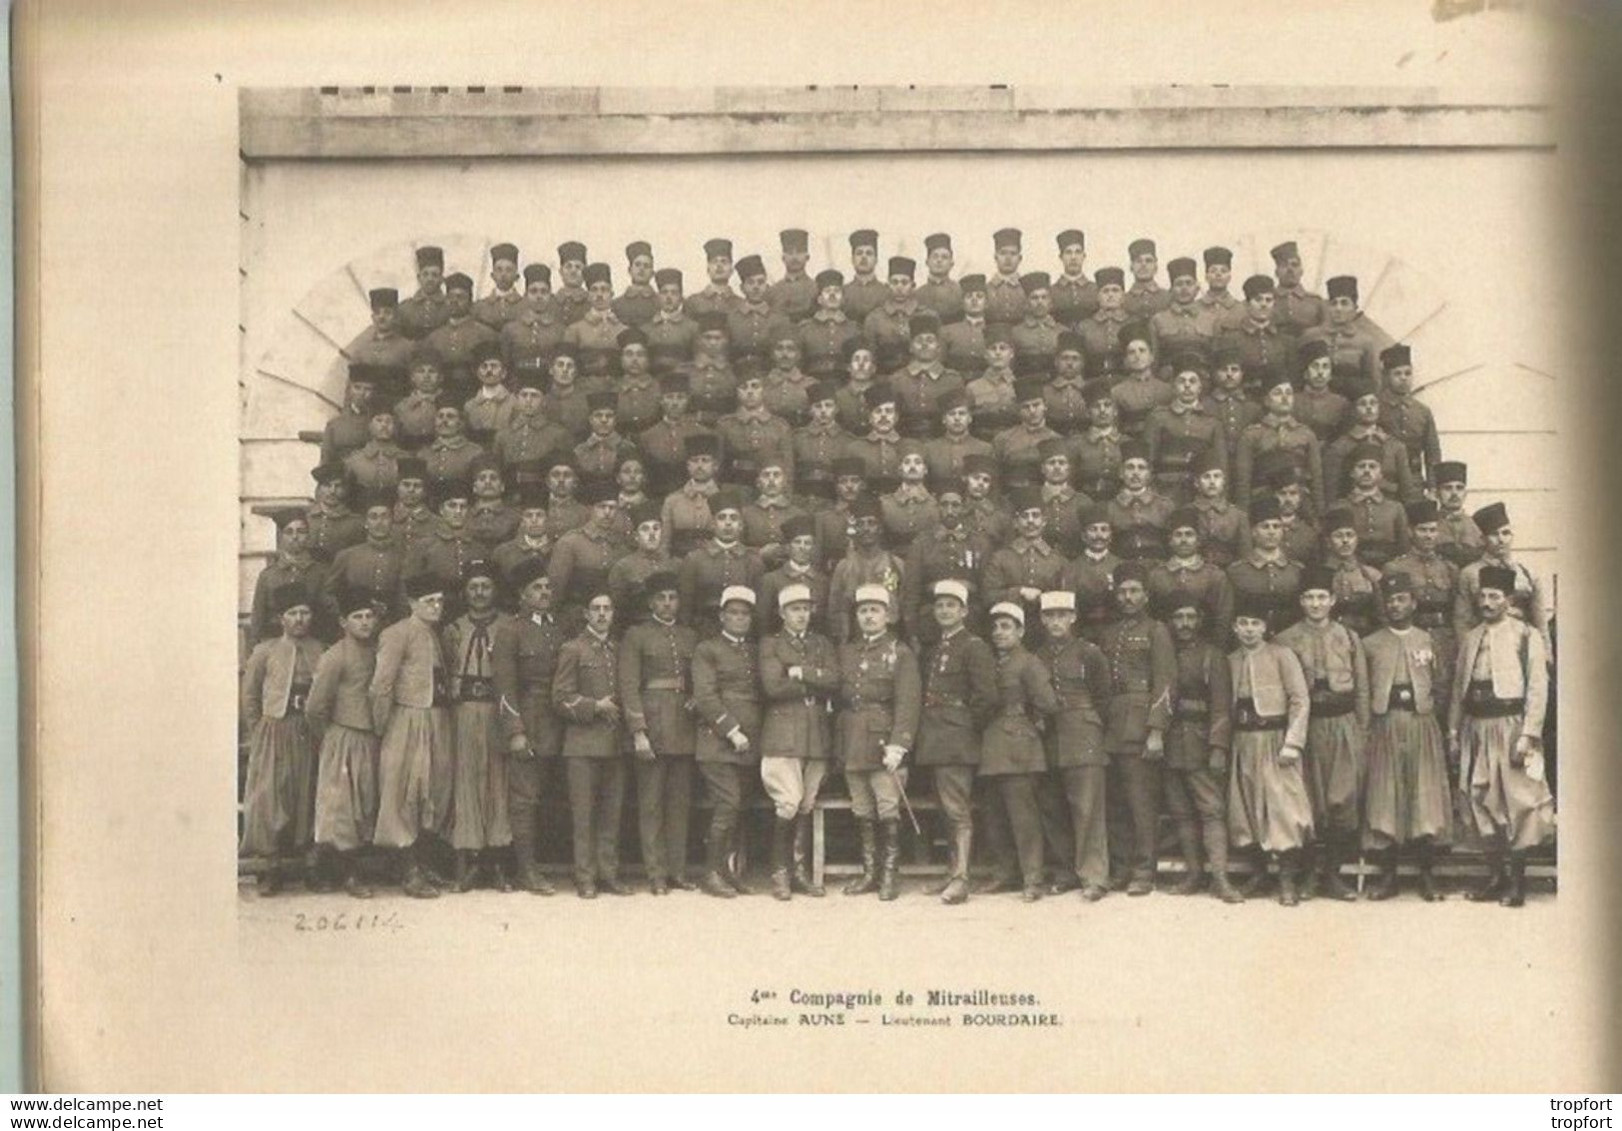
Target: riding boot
{"x": 1288, "y": 866}
{"x": 957, "y": 885}
{"x": 732, "y": 861}
{"x": 868, "y": 881}
{"x": 715, "y": 864}
{"x": 782, "y": 850}
{"x": 357, "y": 887}
{"x": 1335, "y": 853}
{"x": 1515, "y": 892}
{"x": 1188, "y": 839}
{"x": 501, "y": 875}
{"x": 1309, "y": 863}
{"x": 467, "y": 871}
{"x": 1497, "y": 879}
{"x": 938, "y": 887}
{"x": 1256, "y": 883}
{"x": 1385, "y": 883}
{"x": 800, "y": 879}
{"x": 889, "y": 858}
{"x": 1425, "y": 857}
{"x": 415, "y": 883}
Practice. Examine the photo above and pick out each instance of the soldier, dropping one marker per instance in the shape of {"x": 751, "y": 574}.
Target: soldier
{"x": 1183, "y": 326}
{"x": 381, "y": 344}
{"x": 1019, "y": 448}
{"x": 1138, "y": 512}
{"x": 564, "y": 512}
{"x": 1495, "y": 727}
{"x": 940, "y": 293}
{"x": 726, "y": 698}
{"x": 457, "y": 338}
{"x": 712, "y": 384}
{"x": 1005, "y": 296}
{"x": 600, "y": 454}
{"x": 571, "y": 300}
{"x": 850, "y": 399}
{"x": 580, "y": 560}
{"x": 375, "y": 466}
{"x": 867, "y": 563}
{"x": 722, "y": 563}
{"x": 337, "y": 708}
{"x": 1223, "y": 526}
{"x": 664, "y": 445}
{"x": 532, "y": 544}
{"x": 1433, "y": 580}
{"x": 415, "y": 411}
{"x": 1266, "y": 578}
{"x": 414, "y": 519}
{"x": 1021, "y": 571}
{"x": 1298, "y": 309}
{"x": 639, "y": 302}
{"x": 1268, "y": 805}
{"x": 880, "y": 699}
{"x": 452, "y": 455}
{"x": 717, "y": 297}
{"x": 480, "y": 826}
{"x": 752, "y": 437}
{"x": 687, "y": 517}
{"x": 1197, "y": 741}
{"x": 787, "y": 387}
{"x": 1142, "y": 667}
{"x": 1091, "y": 573}
{"x": 1186, "y": 572}
{"x": 799, "y": 674}
{"x": 1145, "y": 298}
{"x": 964, "y": 342}
{"x": 1405, "y": 418}
{"x": 910, "y": 509}
{"x": 506, "y": 302}
{"x": 351, "y": 428}
{"x": 1301, "y": 541}
{"x": 1063, "y": 503}
{"x": 1076, "y": 761}
{"x": 983, "y": 512}
{"x": 1139, "y": 391}
{"x": 1101, "y": 331}
{"x": 1266, "y": 349}
{"x": 1353, "y": 340}
{"x": 1226, "y": 398}
{"x": 887, "y": 327}
{"x": 489, "y": 409}
{"x": 1526, "y": 600}
{"x": 1065, "y": 392}
{"x": 753, "y": 325}
{"x": 638, "y": 393}
{"x": 490, "y": 521}
{"x": 655, "y": 681}
{"x": 821, "y": 442}
{"x": 1095, "y": 455}
{"x": 946, "y": 454}
{"x": 924, "y": 381}
{"x": 948, "y": 551}
{"x": 1075, "y": 298}
{"x": 1182, "y": 431}
{"x": 1460, "y": 540}
{"x": 1356, "y": 586}
{"x": 1334, "y": 758}
{"x": 1396, "y": 479}
{"x": 1036, "y": 336}
{"x": 585, "y": 693}
{"x": 672, "y": 330}
{"x": 993, "y": 396}
{"x": 794, "y": 295}
{"x": 959, "y": 695}
{"x": 333, "y": 526}
{"x": 1318, "y": 406}
{"x": 372, "y": 566}
{"x": 834, "y": 525}
{"x": 826, "y": 337}
{"x": 1279, "y": 430}
{"x": 1407, "y": 800}
{"x": 1382, "y": 524}
{"x": 882, "y": 447}
{"x": 865, "y": 292}
{"x": 531, "y": 336}
{"x": 595, "y": 334}
{"x": 1225, "y": 310}
{"x": 771, "y": 510}
{"x": 628, "y": 576}
{"x": 425, "y": 311}
{"x": 449, "y": 547}
{"x": 799, "y": 568}
{"x": 524, "y": 661}
{"x": 279, "y": 795}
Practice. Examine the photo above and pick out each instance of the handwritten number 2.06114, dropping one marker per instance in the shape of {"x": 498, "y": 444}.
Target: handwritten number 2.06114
{"x": 344, "y": 921}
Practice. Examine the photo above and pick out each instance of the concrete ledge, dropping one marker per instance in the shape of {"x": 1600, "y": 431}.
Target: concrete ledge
{"x": 385, "y": 122}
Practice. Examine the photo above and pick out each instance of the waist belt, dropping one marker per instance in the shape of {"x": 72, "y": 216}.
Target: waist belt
{"x": 475, "y": 689}
{"x": 1402, "y": 697}
{"x": 1245, "y": 718}
{"x": 1332, "y": 704}
{"x": 663, "y": 685}
{"x": 1481, "y": 703}
{"x": 297, "y": 696}
{"x": 442, "y": 693}
{"x": 1192, "y": 707}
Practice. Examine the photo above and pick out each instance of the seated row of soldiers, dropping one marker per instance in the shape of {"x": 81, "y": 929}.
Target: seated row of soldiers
{"x": 1305, "y": 749}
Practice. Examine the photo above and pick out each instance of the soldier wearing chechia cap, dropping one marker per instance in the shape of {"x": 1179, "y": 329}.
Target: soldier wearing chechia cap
{"x": 1297, "y": 309}
{"x": 506, "y": 301}
{"x": 939, "y": 292}
{"x": 458, "y": 337}
{"x": 795, "y": 294}
{"x": 382, "y": 343}
{"x": 1224, "y": 309}
{"x": 639, "y": 301}
{"x": 1146, "y": 297}
{"x": 753, "y": 325}
{"x": 570, "y": 300}
{"x": 865, "y": 292}
{"x": 1353, "y": 340}
{"x": 717, "y": 297}
{"x": 426, "y": 310}
{"x": 1526, "y": 597}
{"x": 887, "y": 329}
{"x": 1075, "y": 296}
{"x": 1005, "y": 297}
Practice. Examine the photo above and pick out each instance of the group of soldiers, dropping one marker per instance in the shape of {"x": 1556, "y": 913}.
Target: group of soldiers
{"x": 1062, "y": 551}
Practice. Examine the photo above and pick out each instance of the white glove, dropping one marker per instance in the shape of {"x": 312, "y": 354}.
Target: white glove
{"x": 892, "y": 756}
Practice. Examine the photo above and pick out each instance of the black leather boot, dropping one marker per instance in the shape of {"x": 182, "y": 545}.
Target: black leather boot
{"x": 1288, "y": 863}
{"x": 467, "y": 871}
{"x": 889, "y": 859}
{"x": 715, "y": 864}
{"x": 1497, "y": 879}
{"x": 1425, "y": 857}
{"x": 731, "y": 860}
{"x": 1515, "y": 890}
{"x": 1309, "y": 863}
{"x": 357, "y": 887}
{"x": 868, "y": 881}
{"x": 800, "y": 880}
{"x": 1385, "y": 884}
{"x": 414, "y": 883}
{"x": 1188, "y": 839}
{"x": 782, "y": 850}
{"x": 957, "y": 884}
{"x": 1335, "y": 853}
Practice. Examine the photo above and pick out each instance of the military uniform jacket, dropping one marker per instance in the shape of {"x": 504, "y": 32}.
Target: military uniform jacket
{"x": 1519, "y": 670}
{"x": 529, "y": 436}
{"x": 815, "y": 449}
{"x": 791, "y": 574}
{"x": 451, "y": 458}
{"x": 918, "y": 390}
{"x": 1288, "y": 435}
{"x": 1235, "y": 413}
{"x": 334, "y": 530}
{"x": 963, "y": 344}
{"x": 1276, "y": 579}
{"x": 1397, "y": 481}
{"x": 1176, "y": 435}
{"x": 1333, "y": 662}
{"x": 422, "y": 313}
{"x": 276, "y": 681}
{"x": 940, "y": 554}
{"x": 670, "y": 339}
{"x": 880, "y": 700}
{"x": 455, "y": 340}
{"x": 887, "y": 329}
{"x": 410, "y": 671}
{"x": 1018, "y": 452}
{"x": 1267, "y": 352}
{"x": 1414, "y": 425}
{"x": 1201, "y": 708}
{"x": 347, "y": 432}
{"x": 726, "y": 694}
{"x": 752, "y": 330}
{"x": 1081, "y": 688}
{"x": 1023, "y": 565}
{"x": 1005, "y": 300}
{"x": 656, "y": 684}
{"x": 367, "y": 566}
{"x": 414, "y": 418}
{"x": 637, "y": 304}
{"x": 1100, "y": 334}
{"x": 794, "y": 295}
{"x": 374, "y": 466}
{"x": 945, "y": 454}
{"x": 1461, "y": 542}
{"x": 531, "y": 339}
{"x": 906, "y": 512}
{"x": 1095, "y": 459}
{"x": 823, "y": 338}
{"x": 588, "y": 670}
{"x": 596, "y": 336}
{"x": 710, "y": 569}
{"x": 1025, "y": 696}
{"x": 1140, "y": 522}
{"x": 445, "y": 556}
{"x": 1382, "y": 527}
{"x": 856, "y": 569}
{"x": 1271, "y": 678}
{"x": 1142, "y": 666}
{"x": 1074, "y": 298}
{"x": 787, "y": 396}
{"x": 1205, "y": 581}
{"x": 579, "y": 565}
{"x": 960, "y": 697}
{"x": 262, "y": 623}
{"x": 1401, "y": 657}
{"x": 525, "y": 662}
{"x": 343, "y": 681}
{"x": 391, "y": 351}
{"x": 498, "y": 308}
{"x": 1224, "y": 529}
{"x": 1066, "y": 399}
{"x": 864, "y": 296}
{"x": 945, "y": 298}
{"x": 1145, "y": 299}
{"x": 881, "y": 453}
{"x": 1179, "y": 328}
{"x": 1322, "y": 411}
{"x": 763, "y": 520}
{"x": 1435, "y": 581}
{"x": 993, "y": 403}
{"x": 639, "y": 403}
{"x": 799, "y": 712}
{"x": 1136, "y": 398}
{"x": 1093, "y": 579}
{"x": 752, "y": 439}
